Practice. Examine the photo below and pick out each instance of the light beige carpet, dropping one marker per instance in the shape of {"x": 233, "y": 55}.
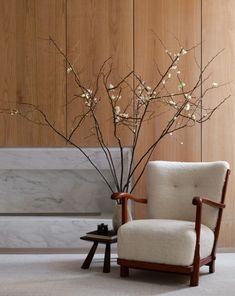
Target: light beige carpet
{"x": 61, "y": 275}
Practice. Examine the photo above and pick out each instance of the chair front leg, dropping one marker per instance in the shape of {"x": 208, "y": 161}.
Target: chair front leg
{"x": 194, "y": 280}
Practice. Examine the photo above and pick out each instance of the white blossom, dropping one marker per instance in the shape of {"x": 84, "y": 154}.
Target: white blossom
{"x": 184, "y": 51}
{"x": 111, "y": 86}
{"x": 189, "y": 97}
{"x": 163, "y": 81}
{"x": 13, "y": 112}
{"x": 88, "y": 103}
{"x": 193, "y": 117}
{"x": 145, "y": 98}
{"x": 215, "y": 84}
{"x": 172, "y": 102}
{"x": 117, "y": 109}
{"x": 181, "y": 85}
{"x": 117, "y": 119}
{"x": 174, "y": 67}
{"x": 187, "y": 107}
{"x": 178, "y": 72}
{"x": 169, "y": 75}
{"x": 69, "y": 69}
{"x": 125, "y": 115}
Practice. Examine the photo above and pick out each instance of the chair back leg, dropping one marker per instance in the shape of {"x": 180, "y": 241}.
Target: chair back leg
{"x": 124, "y": 271}
{"x": 212, "y": 266}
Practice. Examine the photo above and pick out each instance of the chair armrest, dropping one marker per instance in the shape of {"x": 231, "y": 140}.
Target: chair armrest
{"x": 198, "y": 202}
{"x": 125, "y": 195}
{"x": 201, "y": 200}
{"x": 123, "y": 198}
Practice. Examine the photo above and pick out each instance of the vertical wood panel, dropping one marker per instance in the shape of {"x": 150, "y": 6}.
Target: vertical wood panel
{"x": 98, "y": 30}
{"x": 170, "y": 20}
{"x": 32, "y": 70}
{"x": 8, "y": 63}
{"x": 218, "y": 141}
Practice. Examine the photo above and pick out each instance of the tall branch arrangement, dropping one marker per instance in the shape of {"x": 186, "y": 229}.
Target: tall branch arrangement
{"x": 130, "y": 105}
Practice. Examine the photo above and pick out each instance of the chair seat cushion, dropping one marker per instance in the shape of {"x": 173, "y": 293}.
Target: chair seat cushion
{"x": 162, "y": 241}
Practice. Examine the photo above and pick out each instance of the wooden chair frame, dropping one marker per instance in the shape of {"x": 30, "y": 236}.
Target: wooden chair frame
{"x": 192, "y": 270}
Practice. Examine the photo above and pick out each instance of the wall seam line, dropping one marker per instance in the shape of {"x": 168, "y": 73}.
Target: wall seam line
{"x": 201, "y": 88}
{"x": 66, "y": 72}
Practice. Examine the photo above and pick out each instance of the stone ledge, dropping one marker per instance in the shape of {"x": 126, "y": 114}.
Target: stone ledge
{"x": 47, "y": 232}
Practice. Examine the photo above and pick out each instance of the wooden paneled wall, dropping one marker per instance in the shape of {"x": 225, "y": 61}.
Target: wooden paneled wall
{"x": 89, "y": 31}
{"x": 98, "y": 30}
{"x": 218, "y": 137}
{"x": 175, "y": 23}
{"x": 31, "y": 70}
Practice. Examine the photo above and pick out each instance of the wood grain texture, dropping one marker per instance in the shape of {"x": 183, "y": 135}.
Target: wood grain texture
{"x": 169, "y": 20}
{"x": 98, "y": 30}
{"x": 218, "y": 139}
{"x": 32, "y": 70}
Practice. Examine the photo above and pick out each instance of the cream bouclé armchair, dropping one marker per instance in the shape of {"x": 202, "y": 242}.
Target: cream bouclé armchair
{"x": 185, "y": 201}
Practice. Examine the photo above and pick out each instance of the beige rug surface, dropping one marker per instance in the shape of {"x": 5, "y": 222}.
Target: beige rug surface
{"x": 61, "y": 275}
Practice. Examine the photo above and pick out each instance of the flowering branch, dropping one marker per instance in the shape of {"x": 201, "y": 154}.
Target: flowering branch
{"x": 130, "y": 106}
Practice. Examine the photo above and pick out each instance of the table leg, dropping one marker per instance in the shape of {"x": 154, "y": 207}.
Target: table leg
{"x": 106, "y": 267}
{"x": 90, "y": 256}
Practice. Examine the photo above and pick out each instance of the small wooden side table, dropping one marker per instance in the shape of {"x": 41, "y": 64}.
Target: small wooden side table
{"x": 96, "y": 241}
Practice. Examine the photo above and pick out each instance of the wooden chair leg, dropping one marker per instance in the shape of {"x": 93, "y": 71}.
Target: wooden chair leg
{"x": 124, "y": 271}
{"x": 194, "y": 280}
{"x": 212, "y": 267}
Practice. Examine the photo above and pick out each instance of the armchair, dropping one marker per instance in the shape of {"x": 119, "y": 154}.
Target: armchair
{"x": 175, "y": 237}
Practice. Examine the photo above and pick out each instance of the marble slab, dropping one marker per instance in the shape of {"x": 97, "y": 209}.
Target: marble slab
{"x": 47, "y": 232}
{"x": 54, "y": 191}
{"x": 56, "y": 180}
{"x": 58, "y": 158}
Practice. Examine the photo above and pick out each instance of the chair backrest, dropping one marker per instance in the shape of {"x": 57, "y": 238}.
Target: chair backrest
{"x": 172, "y": 186}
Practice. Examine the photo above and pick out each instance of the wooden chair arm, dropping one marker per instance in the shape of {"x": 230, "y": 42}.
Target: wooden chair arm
{"x": 125, "y": 195}
{"x": 201, "y": 200}
{"x": 198, "y": 202}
